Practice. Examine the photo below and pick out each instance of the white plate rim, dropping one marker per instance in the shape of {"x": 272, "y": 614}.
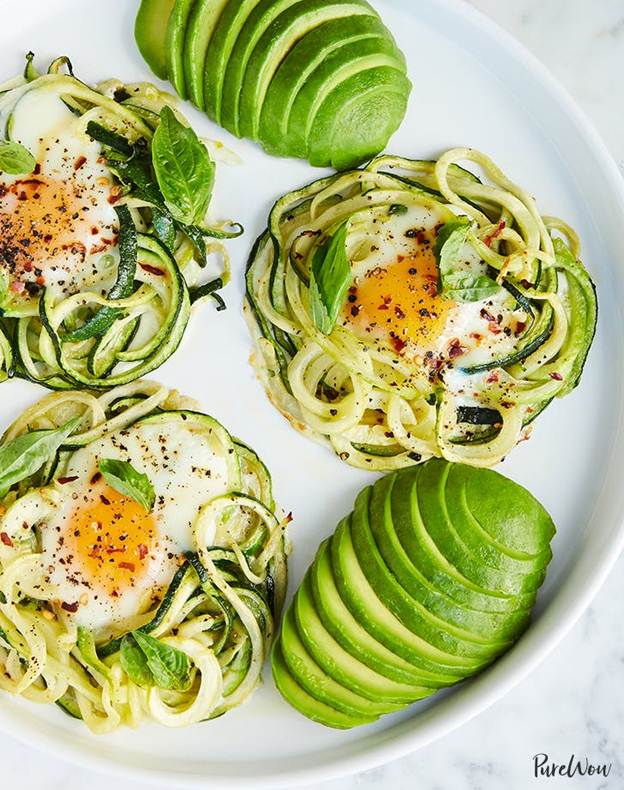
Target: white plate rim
{"x": 515, "y": 667}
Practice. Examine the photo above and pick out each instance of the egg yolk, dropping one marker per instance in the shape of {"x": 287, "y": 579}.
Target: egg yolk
{"x": 43, "y": 221}
{"x": 400, "y": 303}
{"x": 112, "y": 537}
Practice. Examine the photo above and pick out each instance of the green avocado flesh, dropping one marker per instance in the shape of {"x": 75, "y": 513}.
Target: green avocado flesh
{"x": 428, "y": 581}
{"x": 265, "y": 69}
{"x": 150, "y": 31}
{"x": 174, "y": 44}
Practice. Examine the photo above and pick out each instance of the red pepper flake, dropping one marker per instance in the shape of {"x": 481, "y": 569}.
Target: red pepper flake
{"x": 104, "y": 500}
{"x": 28, "y": 267}
{"x": 455, "y": 349}
{"x": 70, "y": 607}
{"x": 556, "y": 376}
{"x": 41, "y": 280}
{"x": 79, "y": 162}
{"x": 113, "y": 550}
{"x": 17, "y": 286}
{"x": 37, "y": 169}
{"x": 143, "y": 550}
{"x": 115, "y": 196}
{"x": 6, "y": 539}
{"x": 506, "y": 404}
{"x": 64, "y": 480}
{"x": 492, "y": 377}
{"x": 397, "y": 343}
{"x": 97, "y": 476}
{"x": 520, "y": 327}
{"x": 152, "y": 269}
{"x": 398, "y": 312}
{"x": 495, "y": 234}
{"x": 128, "y": 566}
{"x": 526, "y": 284}
{"x": 494, "y": 328}
{"x": 486, "y": 316}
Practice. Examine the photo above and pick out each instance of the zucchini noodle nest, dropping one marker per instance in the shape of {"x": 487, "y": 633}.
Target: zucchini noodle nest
{"x": 178, "y": 648}
{"x": 97, "y": 274}
{"x": 465, "y": 311}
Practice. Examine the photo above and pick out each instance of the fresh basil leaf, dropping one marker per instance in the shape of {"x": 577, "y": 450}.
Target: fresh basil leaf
{"x": 449, "y": 243}
{"x": 26, "y": 454}
{"x": 330, "y": 278}
{"x": 170, "y": 667}
{"x": 469, "y": 286}
{"x": 15, "y": 159}
{"x": 184, "y": 169}
{"x": 123, "y": 477}
{"x": 134, "y": 663}
{"x": 457, "y": 282}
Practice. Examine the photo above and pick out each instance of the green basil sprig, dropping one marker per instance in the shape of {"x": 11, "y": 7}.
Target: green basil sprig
{"x": 459, "y": 284}
{"x": 150, "y": 662}
{"x": 26, "y": 454}
{"x": 123, "y": 477}
{"x": 184, "y": 169}
{"x": 330, "y": 278}
{"x": 15, "y": 159}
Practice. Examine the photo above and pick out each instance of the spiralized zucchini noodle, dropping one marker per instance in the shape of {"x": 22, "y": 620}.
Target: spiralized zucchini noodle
{"x": 378, "y": 407}
{"x": 219, "y": 610}
{"x": 123, "y": 311}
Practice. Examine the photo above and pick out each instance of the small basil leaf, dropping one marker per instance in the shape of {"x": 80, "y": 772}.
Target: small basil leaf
{"x": 449, "y": 243}
{"x": 123, "y": 477}
{"x": 469, "y": 286}
{"x": 26, "y": 454}
{"x": 330, "y": 278}
{"x": 134, "y": 663}
{"x": 170, "y": 667}
{"x": 15, "y": 159}
{"x": 184, "y": 169}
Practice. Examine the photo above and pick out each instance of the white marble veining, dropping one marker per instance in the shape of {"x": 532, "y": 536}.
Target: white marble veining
{"x": 574, "y": 703}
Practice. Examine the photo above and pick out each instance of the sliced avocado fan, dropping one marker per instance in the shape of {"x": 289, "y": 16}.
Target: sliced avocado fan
{"x": 317, "y": 79}
{"x": 429, "y": 580}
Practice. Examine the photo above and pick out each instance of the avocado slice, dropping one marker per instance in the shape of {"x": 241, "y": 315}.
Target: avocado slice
{"x": 174, "y": 45}
{"x": 150, "y": 32}
{"x": 261, "y": 15}
{"x": 455, "y": 645}
{"x": 224, "y": 37}
{"x": 492, "y": 626}
{"x": 305, "y": 703}
{"x": 365, "y": 606}
{"x": 201, "y": 24}
{"x": 478, "y": 540}
{"x": 358, "y": 118}
{"x": 430, "y": 560}
{"x": 439, "y": 524}
{"x": 346, "y": 630}
{"x": 351, "y": 60}
{"x": 269, "y": 49}
{"x": 341, "y": 665}
{"x": 317, "y": 683}
{"x": 299, "y": 65}
{"x": 513, "y": 518}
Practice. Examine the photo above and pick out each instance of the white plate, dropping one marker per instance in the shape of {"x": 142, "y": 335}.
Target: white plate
{"x": 473, "y": 85}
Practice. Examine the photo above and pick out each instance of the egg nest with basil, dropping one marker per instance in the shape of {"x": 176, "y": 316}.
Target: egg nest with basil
{"x": 412, "y": 309}
{"x": 142, "y": 560}
{"x": 104, "y": 194}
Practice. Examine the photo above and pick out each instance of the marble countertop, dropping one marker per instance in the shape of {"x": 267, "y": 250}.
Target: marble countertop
{"x": 574, "y": 703}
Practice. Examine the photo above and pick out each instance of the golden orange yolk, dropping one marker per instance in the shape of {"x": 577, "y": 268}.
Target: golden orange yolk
{"x": 43, "y": 219}
{"x": 112, "y": 538}
{"x": 400, "y": 302}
